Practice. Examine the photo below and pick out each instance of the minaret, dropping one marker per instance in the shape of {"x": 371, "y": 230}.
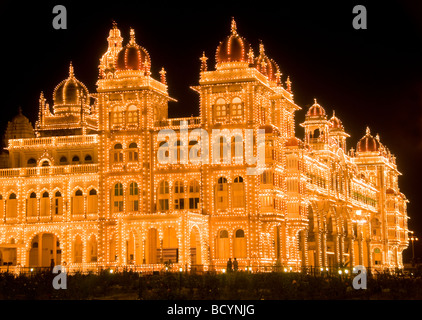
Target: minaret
{"x": 316, "y": 126}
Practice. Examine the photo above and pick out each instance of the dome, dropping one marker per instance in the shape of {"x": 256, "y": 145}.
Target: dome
{"x": 316, "y": 110}
{"x": 234, "y": 48}
{"x": 267, "y": 66}
{"x": 68, "y": 91}
{"x": 368, "y": 143}
{"x": 133, "y": 56}
{"x": 270, "y": 129}
{"x": 292, "y": 142}
{"x": 19, "y": 128}
{"x": 335, "y": 123}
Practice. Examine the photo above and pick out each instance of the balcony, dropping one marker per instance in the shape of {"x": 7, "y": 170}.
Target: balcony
{"x": 53, "y": 141}
{"x": 45, "y": 171}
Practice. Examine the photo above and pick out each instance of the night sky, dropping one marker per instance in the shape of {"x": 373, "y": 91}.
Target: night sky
{"x": 370, "y": 77}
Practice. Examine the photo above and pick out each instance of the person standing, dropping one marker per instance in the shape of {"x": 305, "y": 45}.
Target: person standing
{"x": 229, "y": 265}
{"x": 235, "y": 265}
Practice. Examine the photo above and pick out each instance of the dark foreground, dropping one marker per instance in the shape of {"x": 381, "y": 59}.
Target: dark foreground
{"x": 209, "y": 286}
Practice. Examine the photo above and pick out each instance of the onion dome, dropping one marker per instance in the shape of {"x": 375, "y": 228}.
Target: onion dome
{"x": 133, "y": 56}
{"x": 368, "y": 143}
{"x": 267, "y": 66}
{"x": 316, "y": 111}
{"x": 335, "y": 123}
{"x": 19, "y": 128}
{"x": 391, "y": 191}
{"x": 234, "y": 48}
{"x": 69, "y": 91}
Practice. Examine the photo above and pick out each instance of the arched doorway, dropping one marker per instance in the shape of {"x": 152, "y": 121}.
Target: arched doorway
{"x": 195, "y": 248}
{"x": 130, "y": 249}
{"x": 45, "y": 249}
{"x": 152, "y": 246}
{"x": 170, "y": 246}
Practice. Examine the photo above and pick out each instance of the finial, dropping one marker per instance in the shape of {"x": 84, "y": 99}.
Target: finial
{"x": 289, "y": 84}
{"x": 368, "y": 132}
{"x": 114, "y": 24}
{"x": 163, "y": 76}
{"x": 377, "y": 137}
{"x": 42, "y": 95}
{"x": 71, "y": 73}
{"x": 261, "y": 47}
{"x": 233, "y": 26}
{"x": 278, "y": 77}
{"x": 315, "y": 101}
{"x": 132, "y": 36}
{"x": 250, "y": 55}
{"x": 334, "y": 113}
{"x": 203, "y": 59}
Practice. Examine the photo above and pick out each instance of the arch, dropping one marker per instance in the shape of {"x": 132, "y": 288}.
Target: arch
{"x": 92, "y": 201}
{"x": 44, "y": 249}
{"x": 77, "y": 250}
{"x": 31, "y": 162}
{"x": 78, "y": 202}
{"x": 170, "y": 245}
{"x": 152, "y": 244}
{"x": 57, "y": 203}
{"x": 238, "y": 193}
{"x": 63, "y": 160}
{"x": 132, "y": 114}
{"x": 179, "y": 195}
{"x": 45, "y": 204}
{"x": 223, "y": 245}
{"x": 239, "y": 245}
{"x": 117, "y": 197}
{"x": 195, "y": 247}
{"x": 130, "y": 249}
{"x": 163, "y": 195}
{"x": 31, "y": 205}
{"x": 92, "y": 249}
{"x": 221, "y": 193}
{"x": 88, "y": 158}
{"x": 12, "y": 206}
{"x": 133, "y": 196}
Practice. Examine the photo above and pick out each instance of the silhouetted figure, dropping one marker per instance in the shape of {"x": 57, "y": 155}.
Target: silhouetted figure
{"x": 229, "y": 265}
{"x": 52, "y": 264}
{"x": 235, "y": 265}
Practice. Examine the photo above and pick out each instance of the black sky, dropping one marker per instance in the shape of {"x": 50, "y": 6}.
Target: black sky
{"x": 370, "y": 77}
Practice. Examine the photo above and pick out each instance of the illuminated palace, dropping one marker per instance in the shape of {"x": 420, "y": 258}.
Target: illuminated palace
{"x": 84, "y": 188}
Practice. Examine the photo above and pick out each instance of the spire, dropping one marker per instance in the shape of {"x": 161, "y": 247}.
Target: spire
{"x": 233, "y": 27}
{"x": 261, "y": 48}
{"x": 203, "y": 59}
{"x": 71, "y": 72}
{"x": 114, "y": 23}
{"x": 250, "y": 56}
{"x": 368, "y": 132}
{"x": 132, "y": 36}
{"x": 315, "y": 101}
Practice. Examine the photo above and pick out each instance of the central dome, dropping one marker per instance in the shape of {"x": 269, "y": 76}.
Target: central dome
{"x": 234, "y": 48}
{"x": 69, "y": 91}
{"x": 133, "y": 56}
{"x": 368, "y": 143}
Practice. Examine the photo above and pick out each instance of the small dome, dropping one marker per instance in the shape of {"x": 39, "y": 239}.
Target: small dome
{"x": 335, "y": 123}
{"x": 133, "y": 56}
{"x": 368, "y": 143}
{"x": 390, "y": 191}
{"x": 234, "y": 48}
{"x": 269, "y": 129}
{"x": 292, "y": 142}
{"x": 69, "y": 91}
{"x": 316, "y": 110}
{"x": 19, "y": 128}
{"x": 267, "y": 66}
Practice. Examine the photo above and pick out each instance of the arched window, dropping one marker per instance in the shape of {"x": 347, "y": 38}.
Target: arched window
{"x": 223, "y": 245}
{"x": 238, "y": 193}
{"x": 220, "y": 110}
{"x": 237, "y": 148}
{"x": 132, "y": 114}
{"x": 133, "y": 197}
{"x": 116, "y": 117}
{"x": 92, "y": 201}
{"x": 12, "y": 206}
{"x": 239, "y": 245}
{"x": 133, "y": 152}
{"x": 117, "y": 153}
{"x": 31, "y": 162}
{"x": 31, "y": 210}
{"x": 193, "y": 194}
{"x": 1, "y": 207}
{"x": 179, "y": 195}
{"x": 45, "y": 204}
{"x": 63, "y": 160}
{"x": 221, "y": 193}
{"x": 58, "y": 203}
{"x": 163, "y": 196}
{"x": 117, "y": 197}
{"x": 75, "y": 159}
{"x": 77, "y": 250}
{"x": 78, "y": 203}
{"x": 88, "y": 158}
{"x": 45, "y": 163}
{"x": 236, "y": 109}
{"x": 92, "y": 249}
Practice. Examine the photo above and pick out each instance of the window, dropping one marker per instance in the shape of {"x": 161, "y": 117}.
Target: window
{"x": 88, "y": 158}
{"x": 117, "y": 153}
{"x": 179, "y": 195}
{"x": 12, "y": 206}
{"x": 31, "y": 209}
{"x": 116, "y": 116}
{"x": 133, "y": 152}
{"x": 63, "y": 160}
{"x": 133, "y": 197}
{"x": 220, "y": 110}
{"x": 92, "y": 201}
{"x": 221, "y": 193}
{"x": 118, "y": 198}
{"x": 45, "y": 204}
{"x": 75, "y": 159}
{"x": 78, "y": 203}
{"x": 236, "y": 109}
{"x": 132, "y": 115}
{"x": 163, "y": 196}
{"x": 45, "y": 163}
{"x": 31, "y": 162}
{"x": 58, "y": 203}
{"x": 238, "y": 193}
{"x": 239, "y": 245}
{"x": 223, "y": 249}
{"x": 193, "y": 194}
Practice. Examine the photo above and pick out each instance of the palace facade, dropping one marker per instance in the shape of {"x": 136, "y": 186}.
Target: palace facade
{"x": 83, "y": 187}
